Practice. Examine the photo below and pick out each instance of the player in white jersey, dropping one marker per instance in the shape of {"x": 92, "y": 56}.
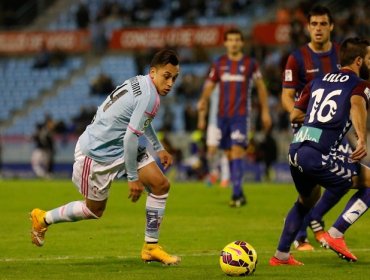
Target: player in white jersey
{"x": 213, "y": 137}
{"x": 109, "y": 148}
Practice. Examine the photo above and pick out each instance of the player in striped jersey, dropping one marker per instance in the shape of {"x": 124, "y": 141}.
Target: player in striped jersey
{"x": 235, "y": 74}
{"x": 109, "y": 148}
{"x": 316, "y": 58}
{"x": 329, "y": 106}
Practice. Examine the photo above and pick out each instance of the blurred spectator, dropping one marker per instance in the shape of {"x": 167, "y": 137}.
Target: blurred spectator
{"x": 98, "y": 36}
{"x": 83, "y": 119}
{"x": 268, "y": 153}
{"x": 189, "y": 88}
{"x": 42, "y": 158}
{"x": 82, "y": 16}
{"x": 46, "y": 58}
{"x": 101, "y": 85}
{"x": 190, "y": 117}
{"x": 42, "y": 58}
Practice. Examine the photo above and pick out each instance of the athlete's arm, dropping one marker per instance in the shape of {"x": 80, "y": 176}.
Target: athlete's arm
{"x": 297, "y": 116}
{"x": 151, "y": 135}
{"x": 298, "y": 112}
{"x": 287, "y": 99}
{"x": 202, "y": 105}
{"x": 358, "y": 116}
{"x": 130, "y": 156}
{"x": 263, "y": 98}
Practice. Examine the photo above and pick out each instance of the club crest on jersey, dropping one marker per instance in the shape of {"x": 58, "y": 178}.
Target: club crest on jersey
{"x": 367, "y": 92}
{"x": 288, "y": 75}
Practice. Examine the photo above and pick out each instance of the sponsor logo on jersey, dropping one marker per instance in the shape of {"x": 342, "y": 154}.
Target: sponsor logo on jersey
{"x": 307, "y": 133}
{"x": 288, "y": 75}
{"x": 367, "y": 92}
{"x": 237, "y": 136}
{"x": 227, "y": 77}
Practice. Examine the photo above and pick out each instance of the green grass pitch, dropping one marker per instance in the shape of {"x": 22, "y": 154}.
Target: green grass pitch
{"x": 197, "y": 225}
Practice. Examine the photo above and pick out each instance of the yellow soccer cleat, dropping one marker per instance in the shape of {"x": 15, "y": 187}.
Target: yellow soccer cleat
{"x": 38, "y": 227}
{"x": 155, "y": 253}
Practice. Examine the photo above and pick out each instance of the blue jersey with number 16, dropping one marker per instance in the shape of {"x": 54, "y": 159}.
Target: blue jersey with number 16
{"x": 327, "y": 103}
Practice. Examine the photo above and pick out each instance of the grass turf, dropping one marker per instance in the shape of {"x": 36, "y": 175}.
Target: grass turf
{"x": 197, "y": 225}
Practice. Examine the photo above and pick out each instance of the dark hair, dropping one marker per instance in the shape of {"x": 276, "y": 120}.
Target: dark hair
{"x": 233, "y": 31}
{"x": 319, "y": 10}
{"x": 352, "y": 48}
{"x": 163, "y": 57}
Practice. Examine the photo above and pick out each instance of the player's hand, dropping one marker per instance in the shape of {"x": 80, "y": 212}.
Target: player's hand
{"x": 135, "y": 188}
{"x": 360, "y": 152}
{"x": 165, "y": 158}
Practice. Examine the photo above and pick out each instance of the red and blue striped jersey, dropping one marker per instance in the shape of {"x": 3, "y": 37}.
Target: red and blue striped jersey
{"x": 235, "y": 80}
{"x": 304, "y": 65}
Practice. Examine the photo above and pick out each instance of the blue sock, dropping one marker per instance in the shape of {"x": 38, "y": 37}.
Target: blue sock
{"x": 325, "y": 203}
{"x": 292, "y": 225}
{"x": 236, "y": 174}
{"x": 302, "y": 233}
{"x": 356, "y": 206}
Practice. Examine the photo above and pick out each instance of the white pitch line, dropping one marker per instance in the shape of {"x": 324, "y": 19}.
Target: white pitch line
{"x": 201, "y": 254}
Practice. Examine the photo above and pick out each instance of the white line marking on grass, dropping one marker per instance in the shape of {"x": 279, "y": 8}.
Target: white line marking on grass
{"x": 82, "y": 258}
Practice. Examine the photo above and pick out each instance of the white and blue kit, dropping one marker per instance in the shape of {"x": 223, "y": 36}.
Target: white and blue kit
{"x": 313, "y": 155}
{"x": 110, "y": 144}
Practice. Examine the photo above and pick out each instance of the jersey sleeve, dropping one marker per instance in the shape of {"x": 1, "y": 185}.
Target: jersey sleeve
{"x": 290, "y": 75}
{"x": 139, "y": 121}
{"x": 213, "y": 74}
{"x": 302, "y": 102}
{"x": 151, "y": 135}
{"x": 363, "y": 89}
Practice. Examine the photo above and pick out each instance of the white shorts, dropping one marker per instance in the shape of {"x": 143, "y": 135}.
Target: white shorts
{"x": 93, "y": 179}
{"x": 213, "y": 135}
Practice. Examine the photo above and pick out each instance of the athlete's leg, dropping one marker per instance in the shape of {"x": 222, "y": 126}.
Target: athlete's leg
{"x": 158, "y": 187}
{"x": 356, "y": 206}
{"x": 237, "y": 171}
{"x": 213, "y": 162}
{"x": 225, "y": 171}
{"x": 301, "y": 242}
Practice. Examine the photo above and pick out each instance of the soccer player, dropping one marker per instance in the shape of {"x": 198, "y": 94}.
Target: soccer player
{"x": 213, "y": 137}
{"x": 318, "y": 57}
{"x": 235, "y": 74}
{"x": 329, "y": 106}
{"x": 109, "y": 148}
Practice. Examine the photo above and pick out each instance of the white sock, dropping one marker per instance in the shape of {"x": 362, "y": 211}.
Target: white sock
{"x": 225, "y": 168}
{"x": 155, "y": 206}
{"x": 282, "y": 255}
{"x": 71, "y": 212}
{"x": 335, "y": 233}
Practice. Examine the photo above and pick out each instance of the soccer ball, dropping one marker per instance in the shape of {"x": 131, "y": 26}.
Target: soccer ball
{"x": 238, "y": 258}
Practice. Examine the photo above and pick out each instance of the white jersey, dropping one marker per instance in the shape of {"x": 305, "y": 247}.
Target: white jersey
{"x": 125, "y": 115}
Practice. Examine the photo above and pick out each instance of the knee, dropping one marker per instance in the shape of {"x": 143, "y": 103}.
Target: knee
{"x": 97, "y": 209}
{"x": 161, "y": 186}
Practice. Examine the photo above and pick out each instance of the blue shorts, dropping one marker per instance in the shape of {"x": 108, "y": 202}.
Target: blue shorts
{"x": 233, "y": 132}
{"x": 309, "y": 167}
